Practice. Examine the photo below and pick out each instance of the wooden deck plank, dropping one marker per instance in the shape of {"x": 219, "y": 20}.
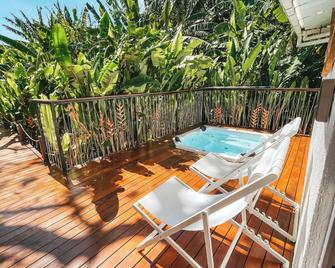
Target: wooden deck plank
{"x": 108, "y": 189}
{"x": 127, "y": 192}
{"x": 90, "y": 222}
{"x": 74, "y": 249}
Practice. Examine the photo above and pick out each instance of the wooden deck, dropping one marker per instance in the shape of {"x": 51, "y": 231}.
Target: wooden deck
{"x": 91, "y": 222}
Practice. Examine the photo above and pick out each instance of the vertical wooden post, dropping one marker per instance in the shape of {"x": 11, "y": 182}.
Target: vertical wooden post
{"x": 203, "y": 112}
{"x": 177, "y": 112}
{"x": 41, "y": 138}
{"x": 20, "y": 133}
{"x": 59, "y": 144}
{"x": 327, "y": 85}
{"x": 330, "y": 52}
{"x": 42, "y": 146}
{"x": 326, "y": 100}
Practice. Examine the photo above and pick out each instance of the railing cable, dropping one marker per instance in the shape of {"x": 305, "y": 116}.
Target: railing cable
{"x": 26, "y": 132}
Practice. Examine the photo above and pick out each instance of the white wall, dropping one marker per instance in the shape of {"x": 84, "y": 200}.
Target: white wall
{"x": 319, "y": 195}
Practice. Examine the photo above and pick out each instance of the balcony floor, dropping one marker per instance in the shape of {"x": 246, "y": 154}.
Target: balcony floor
{"x": 91, "y": 222}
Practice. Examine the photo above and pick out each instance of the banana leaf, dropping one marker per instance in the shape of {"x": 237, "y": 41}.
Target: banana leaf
{"x": 60, "y": 45}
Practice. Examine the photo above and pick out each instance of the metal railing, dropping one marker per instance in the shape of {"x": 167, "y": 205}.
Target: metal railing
{"x": 76, "y": 131}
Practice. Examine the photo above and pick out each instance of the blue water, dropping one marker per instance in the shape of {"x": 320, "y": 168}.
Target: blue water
{"x": 217, "y": 140}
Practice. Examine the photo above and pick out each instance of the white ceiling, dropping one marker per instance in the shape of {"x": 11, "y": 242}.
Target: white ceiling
{"x": 310, "y": 19}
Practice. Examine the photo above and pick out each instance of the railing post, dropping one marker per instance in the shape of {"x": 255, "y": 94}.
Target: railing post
{"x": 326, "y": 100}
{"x": 203, "y": 108}
{"x": 20, "y": 133}
{"x": 41, "y": 144}
{"x": 177, "y": 112}
{"x": 136, "y": 134}
{"x": 59, "y": 144}
{"x": 41, "y": 139}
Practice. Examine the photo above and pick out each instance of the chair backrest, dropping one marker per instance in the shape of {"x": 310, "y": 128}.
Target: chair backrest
{"x": 267, "y": 170}
{"x": 272, "y": 160}
{"x": 289, "y": 130}
{"x": 255, "y": 165}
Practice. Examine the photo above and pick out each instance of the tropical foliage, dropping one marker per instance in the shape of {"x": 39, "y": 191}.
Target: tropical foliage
{"x": 115, "y": 48}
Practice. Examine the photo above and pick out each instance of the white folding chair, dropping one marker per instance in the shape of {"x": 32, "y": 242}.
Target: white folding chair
{"x": 288, "y": 130}
{"x": 178, "y": 207}
{"x": 213, "y": 168}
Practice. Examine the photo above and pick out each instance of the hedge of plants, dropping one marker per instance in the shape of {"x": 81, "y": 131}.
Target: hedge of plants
{"x": 114, "y": 47}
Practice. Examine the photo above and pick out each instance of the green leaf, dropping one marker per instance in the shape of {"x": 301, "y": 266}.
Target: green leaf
{"x": 280, "y": 14}
{"x": 157, "y": 57}
{"x": 221, "y": 28}
{"x": 19, "y": 45}
{"x": 104, "y": 25}
{"x": 292, "y": 70}
{"x": 79, "y": 76}
{"x": 35, "y": 89}
{"x": 176, "y": 80}
{"x": 305, "y": 82}
{"x": 60, "y": 45}
{"x": 140, "y": 80}
{"x": 229, "y": 46}
{"x": 108, "y": 77}
{"x": 143, "y": 67}
{"x": 66, "y": 142}
{"x": 177, "y": 42}
{"x": 240, "y": 13}
{"x": 166, "y": 13}
{"x": 93, "y": 11}
{"x": 47, "y": 123}
{"x": 197, "y": 62}
{"x": 20, "y": 72}
{"x": 81, "y": 59}
{"x": 188, "y": 50}
{"x": 231, "y": 68}
{"x": 232, "y": 20}
{"x": 13, "y": 85}
{"x": 252, "y": 57}
{"x": 197, "y": 16}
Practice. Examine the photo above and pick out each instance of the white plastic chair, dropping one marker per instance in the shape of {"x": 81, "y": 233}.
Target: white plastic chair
{"x": 213, "y": 168}
{"x": 176, "y": 205}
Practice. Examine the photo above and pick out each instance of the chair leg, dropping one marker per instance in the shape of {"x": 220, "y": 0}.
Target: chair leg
{"x": 296, "y": 222}
{"x": 150, "y": 236}
{"x": 282, "y": 195}
{"x": 263, "y": 243}
{"x": 273, "y": 224}
{"x": 159, "y": 231}
{"x": 208, "y": 240}
{"x": 232, "y": 247}
{"x": 204, "y": 189}
{"x": 182, "y": 252}
{"x": 254, "y": 201}
{"x": 208, "y": 183}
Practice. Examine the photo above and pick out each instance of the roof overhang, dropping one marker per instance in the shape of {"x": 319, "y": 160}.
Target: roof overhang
{"x": 310, "y": 19}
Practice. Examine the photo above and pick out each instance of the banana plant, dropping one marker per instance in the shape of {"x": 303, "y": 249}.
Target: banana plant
{"x": 114, "y": 48}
